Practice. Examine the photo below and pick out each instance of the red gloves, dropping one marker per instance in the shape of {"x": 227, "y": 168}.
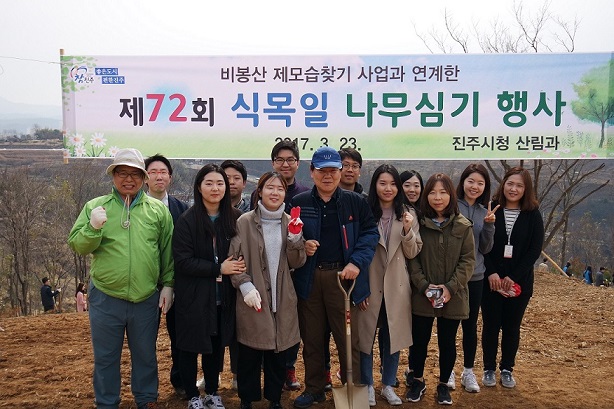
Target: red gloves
{"x": 513, "y": 292}
{"x": 296, "y": 224}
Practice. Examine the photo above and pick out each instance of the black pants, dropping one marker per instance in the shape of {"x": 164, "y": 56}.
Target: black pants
{"x": 470, "y": 325}
{"x": 500, "y": 314}
{"x": 211, "y": 364}
{"x": 172, "y": 335}
{"x": 248, "y": 373}
{"x": 446, "y": 340}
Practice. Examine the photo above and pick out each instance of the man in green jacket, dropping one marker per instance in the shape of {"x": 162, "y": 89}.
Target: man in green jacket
{"x": 129, "y": 236}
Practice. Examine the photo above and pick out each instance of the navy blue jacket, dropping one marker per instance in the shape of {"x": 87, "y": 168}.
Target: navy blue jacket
{"x": 357, "y": 224}
{"x": 176, "y": 207}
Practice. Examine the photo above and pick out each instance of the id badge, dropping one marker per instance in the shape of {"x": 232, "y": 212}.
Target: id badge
{"x": 508, "y": 251}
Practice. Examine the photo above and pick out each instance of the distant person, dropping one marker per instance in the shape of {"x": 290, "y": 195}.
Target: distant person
{"x": 567, "y": 269}
{"x": 160, "y": 173}
{"x": 588, "y": 275}
{"x": 129, "y": 237}
{"x": 81, "y": 298}
{"x": 599, "y": 277}
{"x": 48, "y": 296}
{"x": 543, "y": 266}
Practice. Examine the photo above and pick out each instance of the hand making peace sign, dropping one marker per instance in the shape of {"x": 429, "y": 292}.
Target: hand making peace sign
{"x": 490, "y": 215}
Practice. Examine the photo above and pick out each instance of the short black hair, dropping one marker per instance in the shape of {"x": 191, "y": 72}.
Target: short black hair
{"x": 352, "y": 154}
{"x": 285, "y": 144}
{"x": 159, "y": 158}
{"x": 45, "y": 279}
{"x": 237, "y": 165}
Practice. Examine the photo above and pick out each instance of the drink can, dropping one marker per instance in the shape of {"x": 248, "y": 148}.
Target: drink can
{"x": 435, "y": 296}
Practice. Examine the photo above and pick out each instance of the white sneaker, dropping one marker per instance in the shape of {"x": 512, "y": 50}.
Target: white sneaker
{"x": 195, "y": 403}
{"x": 452, "y": 381}
{"x": 390, "y": 396}
{"x": 213, "y": 402}
{"x": 469, "y": 381}
{"x": 371, "y": 393}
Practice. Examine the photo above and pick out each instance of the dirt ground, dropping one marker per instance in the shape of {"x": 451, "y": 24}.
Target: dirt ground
{"x": 566, "y": 359}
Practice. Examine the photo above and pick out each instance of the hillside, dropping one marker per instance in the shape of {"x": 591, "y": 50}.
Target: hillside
{"x": 565, "y": 359}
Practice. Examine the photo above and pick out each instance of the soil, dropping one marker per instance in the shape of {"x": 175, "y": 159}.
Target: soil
{"x": 565, "y": 359}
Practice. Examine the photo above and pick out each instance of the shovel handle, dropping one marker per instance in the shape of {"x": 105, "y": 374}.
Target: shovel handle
{"x": 348, "y": 292}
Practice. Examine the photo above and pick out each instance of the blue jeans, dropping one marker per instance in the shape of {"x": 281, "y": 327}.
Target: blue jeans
{"x": 390, "y": 362}
{"x": 110, "y": 319}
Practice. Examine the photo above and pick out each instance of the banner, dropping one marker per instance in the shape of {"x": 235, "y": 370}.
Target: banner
{"x": 389, "y": 107}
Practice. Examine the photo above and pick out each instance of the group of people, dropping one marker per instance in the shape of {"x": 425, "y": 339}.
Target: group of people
{"x": 261, "y": 275}
{"x": 598, "y": 280}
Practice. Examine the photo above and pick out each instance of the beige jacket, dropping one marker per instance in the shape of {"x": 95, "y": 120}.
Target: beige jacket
{"x": 266, "y": 330}
{"x": 389, "y": 279}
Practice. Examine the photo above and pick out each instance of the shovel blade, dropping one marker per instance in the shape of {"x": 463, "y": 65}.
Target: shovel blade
{"x": 358, "y": 398}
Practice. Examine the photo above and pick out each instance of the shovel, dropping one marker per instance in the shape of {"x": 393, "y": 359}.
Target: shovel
{"x": 349, "y": 396}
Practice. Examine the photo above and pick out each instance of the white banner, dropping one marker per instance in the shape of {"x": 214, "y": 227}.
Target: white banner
{"x": 392, "y": 107}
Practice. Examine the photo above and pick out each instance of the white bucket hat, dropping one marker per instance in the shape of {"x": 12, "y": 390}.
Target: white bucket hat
{"x": 128, "y": 157}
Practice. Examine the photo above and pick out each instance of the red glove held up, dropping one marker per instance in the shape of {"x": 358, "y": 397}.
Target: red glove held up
{"x": 296, "y": 224}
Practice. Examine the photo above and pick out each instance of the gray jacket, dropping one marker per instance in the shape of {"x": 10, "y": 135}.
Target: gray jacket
{"x": 483, "y": 235}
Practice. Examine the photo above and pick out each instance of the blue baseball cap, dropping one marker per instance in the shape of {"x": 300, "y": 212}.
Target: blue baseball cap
{"x": 326, "y": 157}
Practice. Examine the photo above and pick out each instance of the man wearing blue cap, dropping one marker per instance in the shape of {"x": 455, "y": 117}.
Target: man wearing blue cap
{"x": 341, "y": 236}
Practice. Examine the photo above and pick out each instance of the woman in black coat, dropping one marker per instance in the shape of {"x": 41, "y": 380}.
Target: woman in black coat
{"x": 518, "y": 240}
{"x": 204, "y": 297}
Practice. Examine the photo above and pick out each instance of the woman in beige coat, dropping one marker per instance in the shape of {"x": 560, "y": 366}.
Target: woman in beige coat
{"x": 267, "y": 319}
{"x": 389, "y": 305}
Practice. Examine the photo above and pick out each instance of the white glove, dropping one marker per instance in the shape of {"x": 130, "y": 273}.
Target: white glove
{"x": 58, "y": 290}
{"x": 98, "y": 217}
{"x": 166, "y": 299}
{"x": 252, "y": 299}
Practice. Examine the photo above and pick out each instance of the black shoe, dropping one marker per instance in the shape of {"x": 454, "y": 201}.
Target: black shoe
{"x": 307, "y": 399}
{"x": 443, "y": 394}
{"x": 409, "y": 378}
{"x": 180, "y": 392}
{"x": 416, "y": 390}
{"x": 275, "y": 405}
{"x": 246, "y": 405}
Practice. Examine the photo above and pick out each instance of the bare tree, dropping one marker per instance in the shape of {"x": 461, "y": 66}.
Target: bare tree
{"x": 538, "y": 31}
{"x": 561, "y": 185}
{"x": 22, "y": 200}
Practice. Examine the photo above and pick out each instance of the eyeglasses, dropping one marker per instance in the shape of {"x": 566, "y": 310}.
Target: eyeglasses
{"x": 134, "y": 175}
{"x": 158, "y": 172}
{"x": 354, "y": 166}
{"x": 289, "y": 161}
